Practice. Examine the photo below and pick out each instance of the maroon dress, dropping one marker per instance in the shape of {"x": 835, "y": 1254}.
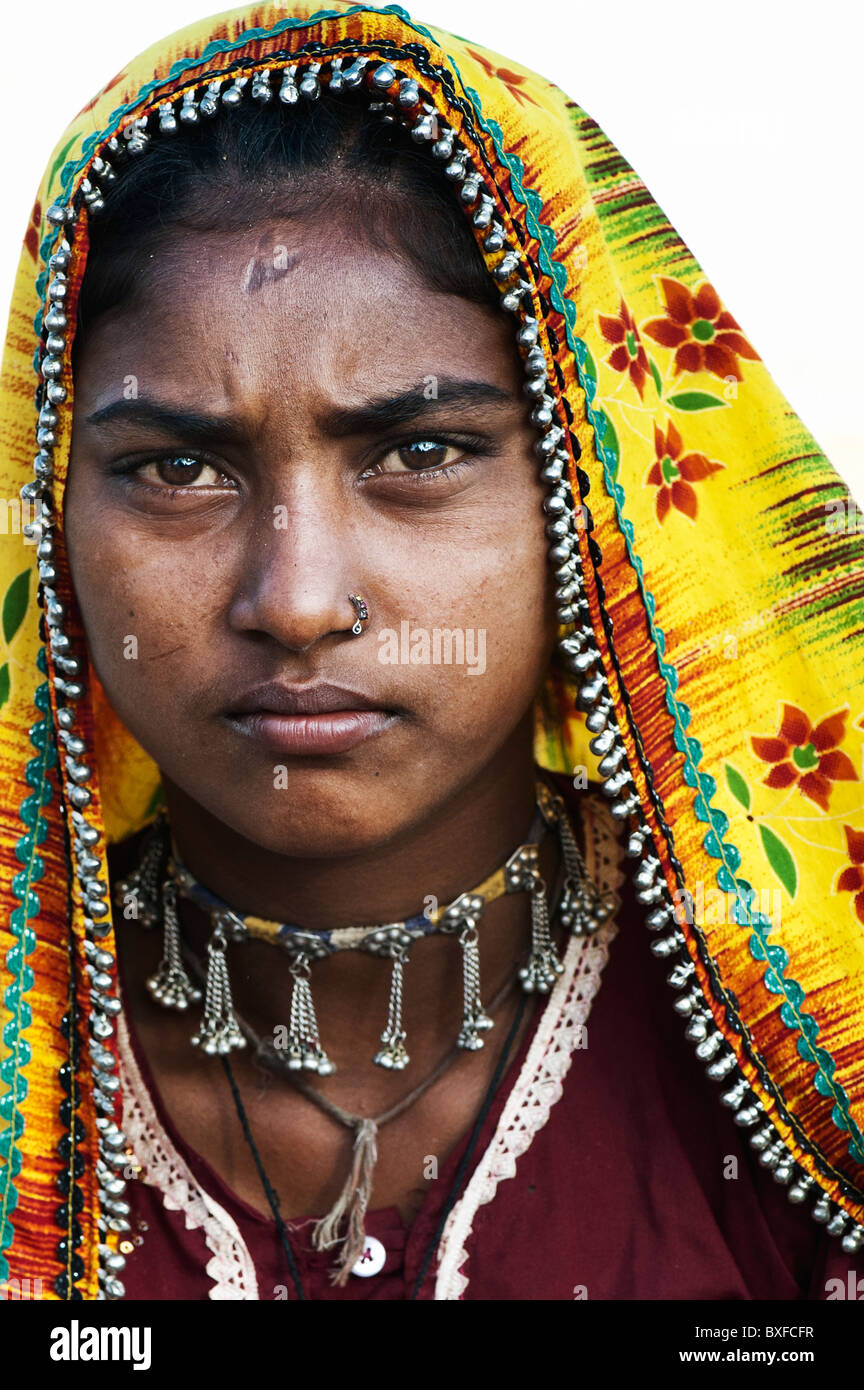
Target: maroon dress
{"x": 606, "y": 1168}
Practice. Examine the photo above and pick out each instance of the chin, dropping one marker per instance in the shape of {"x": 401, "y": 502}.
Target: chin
{"x": 318, "y": 816}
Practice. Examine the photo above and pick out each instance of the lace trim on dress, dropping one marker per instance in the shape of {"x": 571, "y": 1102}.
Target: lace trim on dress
{"x": 540, "y": 1083}
{"x": 162, "y": 1167}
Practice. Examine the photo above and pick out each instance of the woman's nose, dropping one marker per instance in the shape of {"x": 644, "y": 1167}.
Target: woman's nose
{"x": 295, "y": 577}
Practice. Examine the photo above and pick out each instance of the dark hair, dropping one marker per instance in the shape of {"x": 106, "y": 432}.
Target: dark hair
{"x": 252, "y": 163}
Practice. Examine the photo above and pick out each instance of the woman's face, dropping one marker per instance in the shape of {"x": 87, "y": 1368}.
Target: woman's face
{"x": 272, "y": 425}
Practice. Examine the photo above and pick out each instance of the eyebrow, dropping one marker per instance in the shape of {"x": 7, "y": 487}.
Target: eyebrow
{"x": 408, "y": 405}
{"x": 371, "y": 415}
{"x": 168, "y": 419}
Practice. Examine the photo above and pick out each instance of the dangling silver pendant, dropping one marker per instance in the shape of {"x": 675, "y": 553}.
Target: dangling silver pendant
{"x": 475, "y": 1020}
{"x": 543, "y": 966}
{"x": 584, "y": 908}
{"x": 393, "y": 1055}
{"x": 138, "y": 894}
{"x": 219, "y": 1031}
{"x": 171, "y": 985}
{"x": 305, "y": 1052}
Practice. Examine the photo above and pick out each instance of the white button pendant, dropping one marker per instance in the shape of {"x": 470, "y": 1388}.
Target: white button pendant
{"x": 372, "y": 1260}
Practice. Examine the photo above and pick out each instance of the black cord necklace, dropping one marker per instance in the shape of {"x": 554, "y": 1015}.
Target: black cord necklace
{"x": 272, "y": 1196}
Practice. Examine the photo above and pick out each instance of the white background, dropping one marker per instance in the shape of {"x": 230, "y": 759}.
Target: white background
{"x": 743, "y": 118}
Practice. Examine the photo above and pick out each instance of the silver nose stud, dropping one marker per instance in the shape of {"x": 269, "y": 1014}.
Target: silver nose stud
{"x": 362, "y": 610}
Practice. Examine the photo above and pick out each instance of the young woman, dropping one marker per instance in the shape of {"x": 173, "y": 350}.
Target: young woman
{"x": 425, "y": 586}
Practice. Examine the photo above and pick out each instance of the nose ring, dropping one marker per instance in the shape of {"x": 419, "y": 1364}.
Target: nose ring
{"x": 362, "y": 610}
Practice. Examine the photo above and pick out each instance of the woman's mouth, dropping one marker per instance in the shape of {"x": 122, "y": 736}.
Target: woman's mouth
{"x": 306, "y": 720}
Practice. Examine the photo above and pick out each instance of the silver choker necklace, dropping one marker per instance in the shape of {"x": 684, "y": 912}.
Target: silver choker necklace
{"x": 149, "y": 895}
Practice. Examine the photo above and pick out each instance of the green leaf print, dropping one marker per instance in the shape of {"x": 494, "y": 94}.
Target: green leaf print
{"x": 15, "y": 604}
{"x": 780, "y": 859}
{"x": 737, "y": 785}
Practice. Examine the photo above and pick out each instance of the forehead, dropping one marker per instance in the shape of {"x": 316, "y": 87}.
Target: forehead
{"x": 290, "y": 302}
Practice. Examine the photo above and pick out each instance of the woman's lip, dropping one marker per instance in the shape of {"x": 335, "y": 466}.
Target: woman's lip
{"x": 312, "y": 697}
{"x": 308, "y": 734}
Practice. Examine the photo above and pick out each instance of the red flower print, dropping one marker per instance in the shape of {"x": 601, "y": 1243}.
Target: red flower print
{"x": 107, "y": 88}
{"x": 673, "y": 475}
{"x": 31, "y": 236}
{"x": 628, "y": 354}
{"x": 511, "y": 80}
{"x": 851, "y": 878}
{"x": 807, "y": 754}
{"x": 705, "y": 334}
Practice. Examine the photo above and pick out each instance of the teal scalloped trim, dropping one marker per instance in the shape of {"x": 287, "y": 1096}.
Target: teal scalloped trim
{"x": 703, "y": 783}
{"x": 22, "y": 978}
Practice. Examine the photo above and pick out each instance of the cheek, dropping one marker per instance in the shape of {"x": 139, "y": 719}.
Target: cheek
{"x": 143, "y": 607}
{"x": 518, "y": 608}
{"x": 489, "y": 582}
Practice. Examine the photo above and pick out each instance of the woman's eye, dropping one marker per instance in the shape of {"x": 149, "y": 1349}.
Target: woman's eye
{"x": 418, "y": 455}
{"x": 180, "y": 472}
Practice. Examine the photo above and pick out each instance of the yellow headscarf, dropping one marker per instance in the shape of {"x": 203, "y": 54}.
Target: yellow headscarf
{"x": 723, "y": 572}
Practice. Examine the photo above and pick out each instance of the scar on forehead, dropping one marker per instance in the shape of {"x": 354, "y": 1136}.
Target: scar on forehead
{"x": 266, "y": 267}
